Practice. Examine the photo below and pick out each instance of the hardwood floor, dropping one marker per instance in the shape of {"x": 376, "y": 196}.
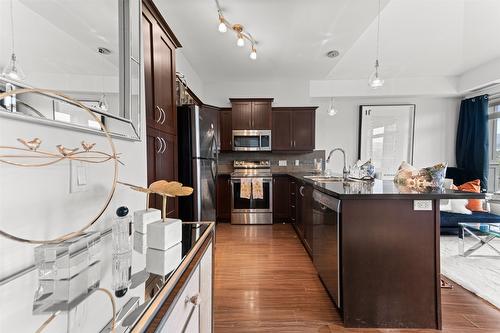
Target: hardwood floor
{"x": 266, "y": 282}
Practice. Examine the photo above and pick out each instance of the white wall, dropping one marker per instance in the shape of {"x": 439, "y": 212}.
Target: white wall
{"x": 41, "y": 206}
{"x": 193, "y": 80}
{"x": 285, "y": 93}
{"x": 435, "y": 127}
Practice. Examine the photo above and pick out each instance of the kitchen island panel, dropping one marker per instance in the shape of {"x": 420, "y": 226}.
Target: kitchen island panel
{"x": 390, "y": 264}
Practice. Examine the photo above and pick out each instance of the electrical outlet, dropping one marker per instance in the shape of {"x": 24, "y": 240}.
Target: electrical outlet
{"x": 422, "y": 204}
{"x": 297, "y": 162}
{"x": 78, "y": 176}
{"x": 282, "y": 163}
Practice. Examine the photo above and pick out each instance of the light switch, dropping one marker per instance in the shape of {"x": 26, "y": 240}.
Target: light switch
{"x": 81, "y": 175}
{"x": 297, "y": 162}
{"x": 78, "y": 177}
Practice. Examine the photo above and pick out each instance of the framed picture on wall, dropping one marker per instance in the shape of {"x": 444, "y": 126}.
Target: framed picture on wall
{"x": 386, "y": 134}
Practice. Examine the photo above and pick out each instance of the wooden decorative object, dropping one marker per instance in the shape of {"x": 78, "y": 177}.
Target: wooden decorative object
{"x": 165, "y": 189}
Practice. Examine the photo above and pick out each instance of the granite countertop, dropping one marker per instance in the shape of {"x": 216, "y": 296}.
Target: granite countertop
{"x": 376, "y": 189}
{"x": 379, "y": 189}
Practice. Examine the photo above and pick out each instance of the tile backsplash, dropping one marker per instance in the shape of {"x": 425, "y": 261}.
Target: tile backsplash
{"x": 305, "y": 160}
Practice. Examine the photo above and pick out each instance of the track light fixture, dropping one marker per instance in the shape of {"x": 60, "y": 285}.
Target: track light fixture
{"x": 241, "y": 33}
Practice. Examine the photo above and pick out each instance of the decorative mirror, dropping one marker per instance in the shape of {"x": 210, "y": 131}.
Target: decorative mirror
{"x": 386, "y": 137}
{"x": 89, "y": 50}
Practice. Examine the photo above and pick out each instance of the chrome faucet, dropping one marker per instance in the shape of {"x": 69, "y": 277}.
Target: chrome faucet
{"x": 345, "y": 171}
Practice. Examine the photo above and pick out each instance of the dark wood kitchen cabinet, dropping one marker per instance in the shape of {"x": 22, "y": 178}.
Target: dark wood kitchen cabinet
{"x": 161, "y": 113}
{"x": 281, "y": 199}
{"x": 223, "y": 198}
{"x": 293, "y": 128}
{"x": 251, "y": 113}
{"x": 302, "y": 219}
{"x": 307, "y": 216}
{"x": 161, "y": 164}
{"x": 226, "y": 130}
{"x": 159, "y": 70}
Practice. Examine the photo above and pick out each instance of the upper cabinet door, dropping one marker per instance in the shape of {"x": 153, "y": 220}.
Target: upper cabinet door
{"x": 261, "y": 115}
{"x": 164, "y": 81}
{"x": 148, "y": 23}
{"x": 225, "y": 125}
{"x": 303, "y": 129}
{"x": 282, "y": 130}
{"x": 242, "y": 115}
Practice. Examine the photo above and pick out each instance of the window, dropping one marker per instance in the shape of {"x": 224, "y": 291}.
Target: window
{"x": 494, "y": 168}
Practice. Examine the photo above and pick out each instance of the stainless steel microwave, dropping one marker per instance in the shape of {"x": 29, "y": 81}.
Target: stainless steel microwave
{"x": 251, "y": 140}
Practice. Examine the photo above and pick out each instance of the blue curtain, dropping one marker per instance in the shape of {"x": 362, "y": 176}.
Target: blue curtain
{"x": 471, "y": 151}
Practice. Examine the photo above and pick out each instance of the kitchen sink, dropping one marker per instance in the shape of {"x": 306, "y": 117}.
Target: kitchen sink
{"x": 325, "y": 178}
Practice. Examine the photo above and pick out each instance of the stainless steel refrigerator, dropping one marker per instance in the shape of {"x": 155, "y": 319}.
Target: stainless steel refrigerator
{"x": 198, "y": 158}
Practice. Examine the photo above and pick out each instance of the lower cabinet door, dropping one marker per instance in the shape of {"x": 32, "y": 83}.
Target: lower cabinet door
{"x": 193, "y": 325}
{"x": 184, "y": 312}
{"x": 206, "y": 291}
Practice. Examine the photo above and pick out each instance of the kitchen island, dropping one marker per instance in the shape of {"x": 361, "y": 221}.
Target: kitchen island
{"x": 375, "y": 246}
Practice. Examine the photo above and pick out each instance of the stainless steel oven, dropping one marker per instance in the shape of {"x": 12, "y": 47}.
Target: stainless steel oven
{"x": 251, "y": 140}
{"x": 252, "y": 210}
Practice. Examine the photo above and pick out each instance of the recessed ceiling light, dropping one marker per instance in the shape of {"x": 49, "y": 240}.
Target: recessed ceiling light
{"x": 332, "y": 54}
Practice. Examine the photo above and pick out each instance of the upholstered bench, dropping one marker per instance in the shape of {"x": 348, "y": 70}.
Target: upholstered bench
{"x": 449, "y": 221}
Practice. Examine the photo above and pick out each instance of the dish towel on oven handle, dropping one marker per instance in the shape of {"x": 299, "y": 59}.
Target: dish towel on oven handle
{"x": 246, "y": 188}
{"x": 257, "y": 188}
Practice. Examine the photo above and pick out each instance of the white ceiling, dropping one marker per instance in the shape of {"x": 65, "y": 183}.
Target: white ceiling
{"x": 418, "y": 37}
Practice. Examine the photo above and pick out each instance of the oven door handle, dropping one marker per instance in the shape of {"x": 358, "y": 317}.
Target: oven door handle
{"x": 238, "y": 180}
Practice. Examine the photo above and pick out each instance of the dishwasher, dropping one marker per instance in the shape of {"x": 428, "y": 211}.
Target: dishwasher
{"x": 326, "y": 243}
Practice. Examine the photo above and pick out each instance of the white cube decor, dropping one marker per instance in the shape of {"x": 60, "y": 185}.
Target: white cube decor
{"x": 140, "y": 242}
{"x": 144, "y": 217}
{"x": 164, "y": 234}
{"x": 162, "y": 262}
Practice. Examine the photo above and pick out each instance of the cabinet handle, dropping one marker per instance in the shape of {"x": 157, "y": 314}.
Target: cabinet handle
{"x": 161, "y": 145}
{"x": 195, "y": 300}
{"x": 301, "y": 190}
{"x": 294, "y": 143}
{"x": 164, "y": 115}
{"x": 159, "y": 110}
{"x": 164, "y": 145}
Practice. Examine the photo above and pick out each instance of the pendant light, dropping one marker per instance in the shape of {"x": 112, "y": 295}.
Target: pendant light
{"x": 375, "y": 81}
{"x": 103, "y": 103}
{"x": 12, "y": 69}
{"x": 332, "y": 111}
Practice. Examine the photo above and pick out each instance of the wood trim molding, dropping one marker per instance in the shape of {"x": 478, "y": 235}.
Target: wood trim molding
{"x": 149, "y": 4}
{"x": 249, "y": 99}
{"x": 288, "y": 108}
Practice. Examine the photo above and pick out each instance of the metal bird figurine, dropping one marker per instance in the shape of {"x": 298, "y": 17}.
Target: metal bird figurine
{"x": 66, "y": 151}
{"x": 32, "y": 145}
{"x": 87, "y": 146}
